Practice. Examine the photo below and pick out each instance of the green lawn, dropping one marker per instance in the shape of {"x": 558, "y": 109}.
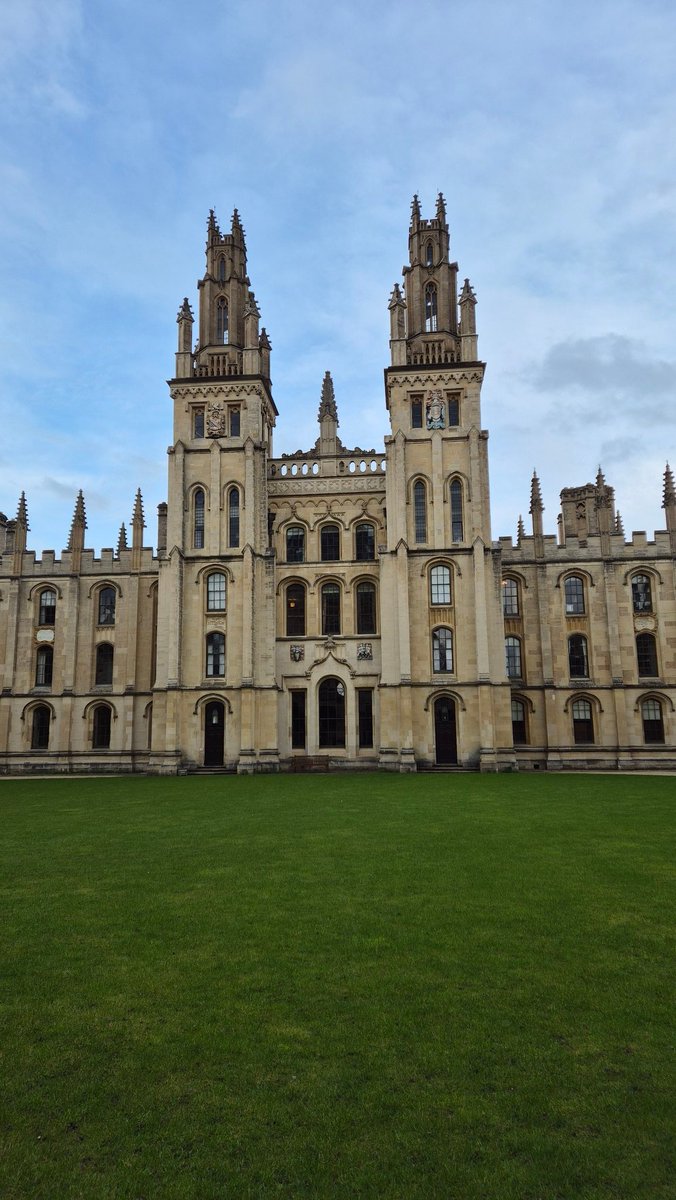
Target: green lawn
{"x": 337, "y": 986}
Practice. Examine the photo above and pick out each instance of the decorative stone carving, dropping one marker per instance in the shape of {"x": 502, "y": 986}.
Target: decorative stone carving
{"x": 296, "y": 653}
{"x": 435, "y": 410}
{"x": 364, "y": 651}
{"x": 215, "y": 420}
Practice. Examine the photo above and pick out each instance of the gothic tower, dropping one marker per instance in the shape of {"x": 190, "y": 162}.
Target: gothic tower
{"x": 216, "y": 611}
{"x": 443, "y": 670}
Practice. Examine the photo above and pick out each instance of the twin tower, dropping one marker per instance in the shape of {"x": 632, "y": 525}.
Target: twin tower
{"x": 336, "y": 607}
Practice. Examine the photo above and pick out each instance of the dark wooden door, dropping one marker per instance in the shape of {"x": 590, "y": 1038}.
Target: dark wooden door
{"x": 445, "y": 738}
{"x": 214, "y": 734}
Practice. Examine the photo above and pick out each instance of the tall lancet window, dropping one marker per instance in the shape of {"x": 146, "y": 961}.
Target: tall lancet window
{"x": 429, "y": 255}
{"x": 233, "y": 517}
{"x": 221, "y": 271}
{"x": 198, "y": 520}
{"x": 222, "y": 320}
{"x": 430, "y": 308}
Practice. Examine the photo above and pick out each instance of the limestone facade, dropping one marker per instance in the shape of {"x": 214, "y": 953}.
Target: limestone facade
{"x": 339, "y": 607}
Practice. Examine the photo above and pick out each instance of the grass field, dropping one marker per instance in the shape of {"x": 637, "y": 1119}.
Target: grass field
{"x": 337, "y": 986}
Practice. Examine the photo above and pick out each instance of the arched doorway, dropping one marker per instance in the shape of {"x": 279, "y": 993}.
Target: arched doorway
{"x": 445, "y": 736}
{"x": 214, "y": 734}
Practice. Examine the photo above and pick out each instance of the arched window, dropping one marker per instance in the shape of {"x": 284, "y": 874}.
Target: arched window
{"x": 653, "y": 721}
{"x": 574, "y": 593}
{"x": 583, "y": 724}
{"x": 578, "y": 663}
{"x": 365, "y": 542}
{"x": 440, "y": 585}
{"x": 513, "y": 657}
{"x": 295, "y": 610}
{"x": 198, "y": 422}
{"x": 101, "y": 727}
{"x": 222, "y": 320}
{"x": 429, "y": 255}
{"x": 510, "y": 598}
{"x": 420, "y": 511}
{"x": 107, "y": 606}
{"x": 47, "y": 612}
{"x": 416, "y": 412}
{"x": 519, "y": 730}
{"x": 40, "y": 727}
{"x": 430, "y": 308}
{"x": 442, "y": 650}
{"x": 104, "y": 663}
{"x": 233, "y": 517}
{"x": 215, "y": 654}
{"x": 453, "y": 409}
{"x": 641, "y": 594}
{"x": 331, "y": 713}
{"x": 330, "y": 596}
{"x": 366, "y": 607}
{"x": 329, "y": 543}
{"x": 235, "y": 422}
{"x": 456, "y": 511}
{"x": 198, "y": 520}
{"x": 646, "y": 654}
{"x": 43, "y": 666}
{"x": 221, "y": 270}
{"x": 216, "y": 592}
{"x": 295, "y": 544}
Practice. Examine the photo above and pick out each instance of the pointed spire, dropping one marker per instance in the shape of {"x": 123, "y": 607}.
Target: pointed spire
{"x": 264, "y": 340}
{"x": 237, "y": 230}
{"x": 415, "y": 211}
{"x": 22, "y": 513}
{"x": 619, "y": 527}
{"x": 213, "y": 231}
{"x": 138, "y": 518}
{"x": 251, "y": 308}
{"x": 441, "y": 209}
{"x": 536, "y": 510}
{"x": 603, "y": 492}
{"x": 536, "y": 504}
{"x": 185, "y": 312}
{"x": 520, "y": 531}
{"x": 20, "y": 531}
{"x": 669, "y": 498}
{"x": 396, "y": 299}
{"x": 327, "y": 405}
{"x": 78, "y": 524}
{"x": 467, "y": 295}
{"x": 122, "y": 539}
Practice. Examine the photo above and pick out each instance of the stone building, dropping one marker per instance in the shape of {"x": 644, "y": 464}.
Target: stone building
{"x": 339, "y": 607}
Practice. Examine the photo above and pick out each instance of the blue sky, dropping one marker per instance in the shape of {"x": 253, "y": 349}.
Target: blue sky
{"x": 549, "y": 127}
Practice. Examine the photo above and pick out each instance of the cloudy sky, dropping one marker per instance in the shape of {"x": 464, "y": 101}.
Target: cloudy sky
{"x": 548, "y": 125}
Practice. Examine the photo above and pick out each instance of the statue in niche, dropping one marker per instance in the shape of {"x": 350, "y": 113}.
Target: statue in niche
{"x": 434, "y": 409}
